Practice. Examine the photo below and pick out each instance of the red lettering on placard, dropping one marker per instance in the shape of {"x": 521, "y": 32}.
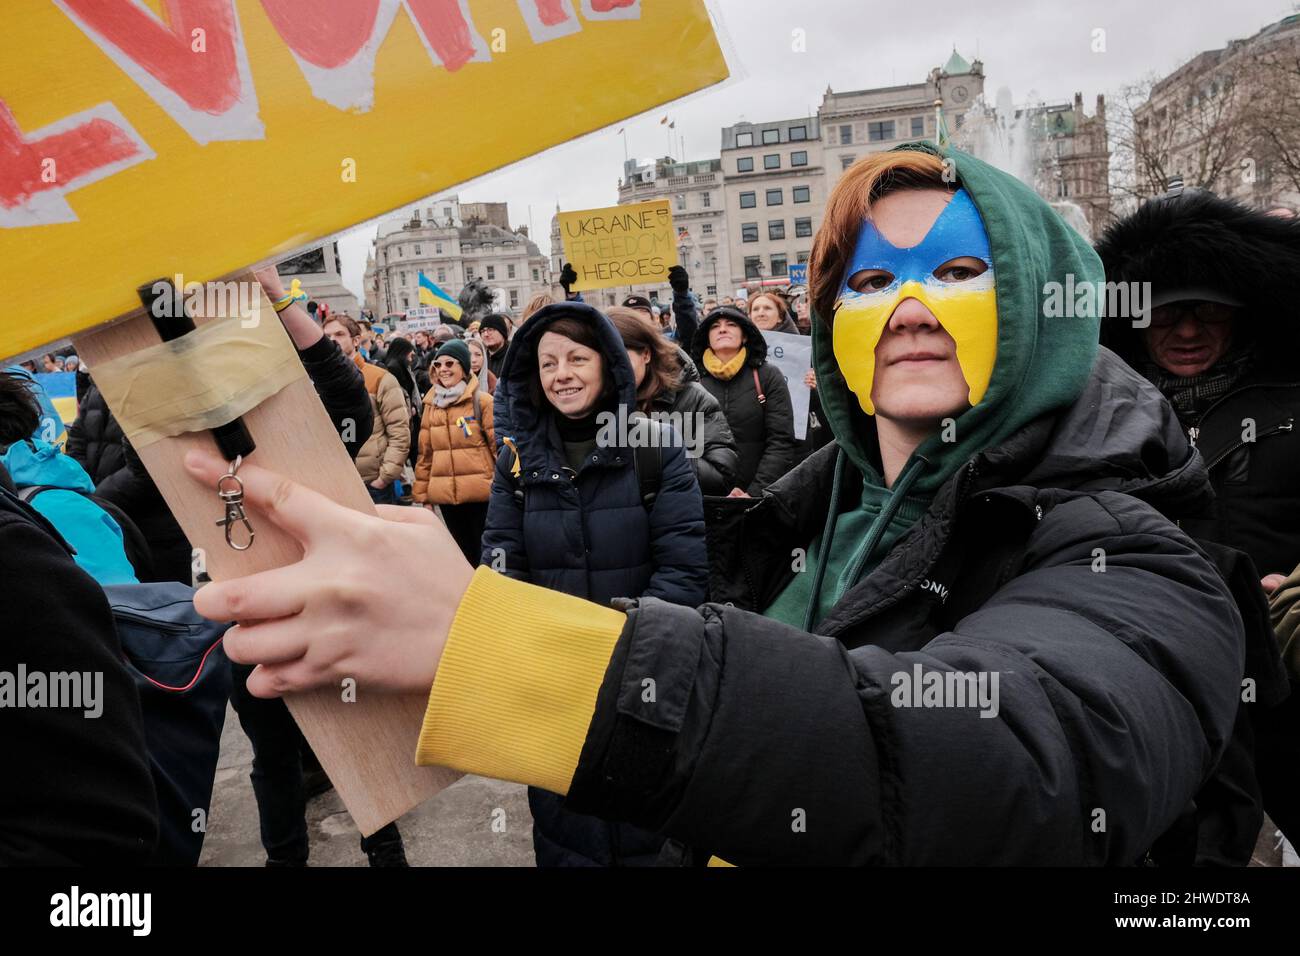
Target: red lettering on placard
{"x": 328, "y": 39}
{"x": 208, "y": 81}
{"x": 75, "y": 153}
{"x": 552, "y": 12}
{"x": 446, "y": 30}
{"x": 605, "y": 6}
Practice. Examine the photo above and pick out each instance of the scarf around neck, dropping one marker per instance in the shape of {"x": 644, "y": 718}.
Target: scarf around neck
{"x": 1192, "y": 395}
{"x": 724, "y": 371}
{"x": 443, "y": 397}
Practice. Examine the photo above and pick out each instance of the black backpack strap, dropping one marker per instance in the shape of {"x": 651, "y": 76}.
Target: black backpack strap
{"x": 648, "y": 460}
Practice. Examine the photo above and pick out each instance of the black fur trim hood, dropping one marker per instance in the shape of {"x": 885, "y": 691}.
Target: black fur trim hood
{"x": 1197, "y": 240}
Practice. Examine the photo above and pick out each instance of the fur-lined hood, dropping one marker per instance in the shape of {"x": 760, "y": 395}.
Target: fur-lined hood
{"x": 1197, "y": 240}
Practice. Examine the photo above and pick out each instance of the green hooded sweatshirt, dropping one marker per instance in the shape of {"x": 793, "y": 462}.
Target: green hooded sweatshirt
{"x": 1042, "y": 365}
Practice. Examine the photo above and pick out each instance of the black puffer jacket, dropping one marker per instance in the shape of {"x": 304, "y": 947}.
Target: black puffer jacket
{"x": 695, "y": 409}
{"x": 95, "y": 438}
{"x": 75, "y": 791}
{"x": 1197, "y": 240}
{"x": 1101, "y": 704}
{"x": 590, "y": 535}
{"x": 763, "y": 429}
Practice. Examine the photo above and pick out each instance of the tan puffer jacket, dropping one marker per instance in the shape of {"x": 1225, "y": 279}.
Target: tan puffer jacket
{"x": 455, "y": 468}
{"x": 384, "y": 453}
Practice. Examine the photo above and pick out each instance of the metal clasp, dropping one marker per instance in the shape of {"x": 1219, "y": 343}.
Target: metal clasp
{"x": 230, "y": 489}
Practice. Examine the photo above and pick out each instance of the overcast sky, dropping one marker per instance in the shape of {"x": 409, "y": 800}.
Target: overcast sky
{"x": 1039, "y": 51}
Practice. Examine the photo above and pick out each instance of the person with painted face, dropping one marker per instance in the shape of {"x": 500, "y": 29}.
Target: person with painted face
{"x": 911, "y": 654}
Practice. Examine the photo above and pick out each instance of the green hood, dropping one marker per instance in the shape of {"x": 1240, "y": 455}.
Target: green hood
{"x": 1042, "y": 363}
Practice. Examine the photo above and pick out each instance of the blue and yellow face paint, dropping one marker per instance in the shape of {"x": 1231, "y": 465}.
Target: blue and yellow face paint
{"x": 967, "y": 310}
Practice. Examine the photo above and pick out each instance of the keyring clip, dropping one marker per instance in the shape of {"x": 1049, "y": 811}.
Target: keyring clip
{"x": 230, "y": 489}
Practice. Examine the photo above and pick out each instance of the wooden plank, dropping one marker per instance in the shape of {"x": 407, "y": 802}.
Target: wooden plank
{"x": 368, "y": 746}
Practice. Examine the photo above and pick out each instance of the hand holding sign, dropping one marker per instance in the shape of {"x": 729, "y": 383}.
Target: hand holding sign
{"x": 622, "y": 245}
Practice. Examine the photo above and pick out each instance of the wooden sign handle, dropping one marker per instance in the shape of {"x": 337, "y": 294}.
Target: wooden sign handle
{"x": 367, "y": 746}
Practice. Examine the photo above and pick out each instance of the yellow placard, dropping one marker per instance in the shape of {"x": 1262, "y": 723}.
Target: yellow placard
{"x": 149, "y": 138}
{"x": 620, "y": 245}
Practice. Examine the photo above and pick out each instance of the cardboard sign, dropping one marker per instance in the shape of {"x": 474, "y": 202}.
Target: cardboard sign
{"x": 792, "y": 355}
{"x": 620, "y": 245}
{"x": 798, "y": 274}
{"x": 143, "y": 138}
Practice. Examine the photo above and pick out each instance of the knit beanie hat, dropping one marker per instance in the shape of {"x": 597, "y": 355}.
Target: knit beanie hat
{"x": 497, "y": 322}
{"x": 458, "y": 350}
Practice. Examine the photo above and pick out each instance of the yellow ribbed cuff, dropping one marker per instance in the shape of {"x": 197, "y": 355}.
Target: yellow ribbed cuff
{"x": 516, "y": 687}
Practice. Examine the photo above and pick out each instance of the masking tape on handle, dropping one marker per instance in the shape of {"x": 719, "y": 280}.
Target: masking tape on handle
{"x": 205, "y": 378}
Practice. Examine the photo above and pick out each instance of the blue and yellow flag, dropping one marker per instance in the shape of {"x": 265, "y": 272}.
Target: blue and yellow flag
{"x": 430, "y": 294}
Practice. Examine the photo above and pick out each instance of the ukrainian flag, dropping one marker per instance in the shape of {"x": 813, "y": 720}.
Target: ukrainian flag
{"x": 430, "y": 294}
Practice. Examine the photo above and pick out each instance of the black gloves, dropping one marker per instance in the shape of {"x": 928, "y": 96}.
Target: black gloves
{"x": 568, "y": 276}
{"x": 679, "y": 280}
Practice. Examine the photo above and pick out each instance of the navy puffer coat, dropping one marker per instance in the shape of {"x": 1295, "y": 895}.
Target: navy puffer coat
{"x": 588, "y": 534}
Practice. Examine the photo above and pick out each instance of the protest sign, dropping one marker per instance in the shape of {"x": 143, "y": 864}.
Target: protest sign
{"x": 798, "y": 274}
{"x": 620, "y": 245}
{"x": 792, "y": 355}
{"x": 203, "y": 136}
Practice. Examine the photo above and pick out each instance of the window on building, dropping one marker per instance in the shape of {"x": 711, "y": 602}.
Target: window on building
{"x": 774, "y": 197}
{"x": 745, "y": 164}
{"x": 918, "y": 125}
{"x": 771, "y": 136}
{"x": 442, "y": 276}
{"x": 803, "y": 258}
{"x": 744, "y": 139}
{"x": 711, "y": 290}
{"x": 799, "y": 158}
{"x": 772, "y": 161}
{"x": 749, "y": 232}
{"x": 469, "y": 273}
{"x": 514, "y": 298}
{"x": 437, "y": 248}
{"x": 803, "y": 227}
{"x": 399, "y": 252}
{"x": 802, "y": 194}
{"x": 417, "y": 250}
{"x": 491, "y": 273}
{"x": 778, "y": 265}
{"x": 877, "y": 132}
{"x": 753, "y": 264}
{"x": 846, "y": 135}
{"x": 681, "y": 202}
{"x": 707, "y": 229}
{"x": 961, "y": 120}
{"x": 536, "y": 277}
{"x": 846, "y": 161}
{"x": 776, "y": 229}
{"x": 706, "y": 200}
{"x": 510, "y": 271}
{"x": 748, "y": 200}
{"x": 798, "y": 133}
{"x": 403, "y": 275}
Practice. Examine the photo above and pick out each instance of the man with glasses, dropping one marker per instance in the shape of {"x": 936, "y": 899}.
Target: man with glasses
{"x": 1220, "y": 342}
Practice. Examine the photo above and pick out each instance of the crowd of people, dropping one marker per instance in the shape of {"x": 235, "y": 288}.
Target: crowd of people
{"x": 699, "y": 638}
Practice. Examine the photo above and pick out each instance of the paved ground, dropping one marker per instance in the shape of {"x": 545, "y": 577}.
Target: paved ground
{"x": 452, "y": 829}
